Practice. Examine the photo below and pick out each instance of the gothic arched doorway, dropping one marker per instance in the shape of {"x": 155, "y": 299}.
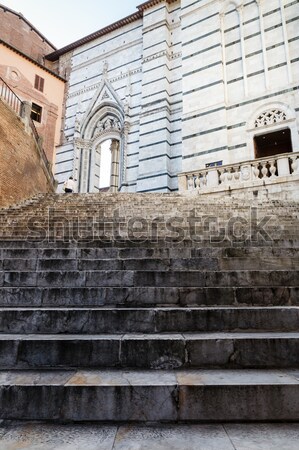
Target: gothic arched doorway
{"x": 106, "y": 173}
{"x": 100, "y": 142}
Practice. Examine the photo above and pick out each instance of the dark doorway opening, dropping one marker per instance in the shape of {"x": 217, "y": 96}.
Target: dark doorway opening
{"x": 273, "y": 143}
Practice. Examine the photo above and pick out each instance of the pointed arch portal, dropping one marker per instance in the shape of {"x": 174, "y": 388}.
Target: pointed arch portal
{"x": 102, "y": 125}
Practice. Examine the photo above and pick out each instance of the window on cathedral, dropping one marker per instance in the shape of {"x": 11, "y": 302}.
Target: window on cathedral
{"x": 36, "y": 112}
{"x": 271, "y": 144}
{"x": 39, "y": 83}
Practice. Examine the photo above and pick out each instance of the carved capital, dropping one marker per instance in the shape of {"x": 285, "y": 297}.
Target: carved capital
{"x": 82, "y": 143}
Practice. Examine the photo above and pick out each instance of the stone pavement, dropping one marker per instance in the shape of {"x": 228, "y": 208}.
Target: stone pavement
{"x": 39, "y": 436}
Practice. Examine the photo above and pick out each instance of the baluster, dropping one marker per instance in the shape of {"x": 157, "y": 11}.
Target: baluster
{"x": 197, "y": 182}
{"x": 237, "y": 174}
{"x": 204, "y": 180}
{"x": 265, "y": 169}
{"x": 255, "y": 170}
{"x": 190, "y": 183}
{"x": 294, "y": 165}
{"x": 272, "y": 168}
{"x": 222, "y": 176}
{"x": 229, "y": 176}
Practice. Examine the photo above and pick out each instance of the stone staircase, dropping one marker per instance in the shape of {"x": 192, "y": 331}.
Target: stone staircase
{"x": 149, "y": 307}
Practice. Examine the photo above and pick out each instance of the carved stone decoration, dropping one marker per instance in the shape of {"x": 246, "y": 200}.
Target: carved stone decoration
{"x": 107, "y": 124}
{"x": 246, "y": 173}
{"x": 105, "y": 96}
{"x": 77, "y": 127}
{"x": 105, "y": 69}
{"x": 85, "y": 144}
{"x": 270, "y": 118}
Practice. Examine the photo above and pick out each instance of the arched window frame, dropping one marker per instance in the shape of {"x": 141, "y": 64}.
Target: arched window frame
{"x": 288, "y": 120}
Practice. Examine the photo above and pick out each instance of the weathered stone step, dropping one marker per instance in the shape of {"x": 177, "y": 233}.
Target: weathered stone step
{"x": 112, "y": 264}
{"x": 148, "y": 297}
{"x": 136, "y": 278}
{"x": 172, "y": 396}
{"x": 127, "y": 205}
{"x": 142, "y": 252}
{"x": 128, "y": 244}
{"x": 149, "y": 200}
{"x": 145, "y": 320}
{"x": 206, "y": 239}
{"x": 153, "y": 264}
{"x": 151, "y": 351}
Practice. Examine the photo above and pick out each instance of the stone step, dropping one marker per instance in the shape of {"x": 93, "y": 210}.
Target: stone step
{"x": 148, "y": 297}
{"x": 141, "y": 252}
{"x": 129, "y": 244}
{"x": 134, "y": 396}
{"x": 205, "y": 238}
{"x": 152, "y": 264}
{"x": 148, "y": 307}
{"x": 140, "y": 278}
{"x": 151, "y": 351}
{"x": 147, "y": 200}
{"x": 147, "y": 320}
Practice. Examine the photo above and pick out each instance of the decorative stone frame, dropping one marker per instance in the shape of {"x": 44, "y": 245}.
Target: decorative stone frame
{"x": 94, "y": 135}
{"x": 102, "y": 122}
{"x": 288, "y": 122}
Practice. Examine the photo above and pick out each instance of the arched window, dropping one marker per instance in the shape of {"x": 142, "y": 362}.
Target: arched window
{"x": 273, "y": 142}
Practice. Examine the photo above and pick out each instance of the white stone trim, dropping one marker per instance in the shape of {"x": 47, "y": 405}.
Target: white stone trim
{"x": 261, "y": 20}
{"x": 240, "y": 11}
{"x": 286, "y": 42}
{"x": 290, "y": 123}
{"x": 222, "y": 16}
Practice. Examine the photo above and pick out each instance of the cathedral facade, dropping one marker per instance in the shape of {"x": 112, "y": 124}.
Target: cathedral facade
{"x": 180, "y": 86}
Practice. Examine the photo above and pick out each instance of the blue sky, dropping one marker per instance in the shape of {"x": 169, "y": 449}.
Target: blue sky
{"x": 65, "y": 21}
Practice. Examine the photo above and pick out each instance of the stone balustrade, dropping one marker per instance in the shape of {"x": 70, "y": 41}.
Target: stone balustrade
{"x": 259, "y": 172}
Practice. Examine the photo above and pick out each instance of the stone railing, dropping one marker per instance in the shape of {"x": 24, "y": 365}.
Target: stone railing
{"x": 241, "y": 175}
{"x": 10, "y": 97}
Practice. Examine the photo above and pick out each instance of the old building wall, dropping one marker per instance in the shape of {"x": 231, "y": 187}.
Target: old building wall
{"x": 117, "y": 59}
{"x": 19, "y": 33}
{"x": 191, "y": 78}
{"x": 143, "y": 63}
{"x": 19, "y": 73}
{"x": 239, "y": 59}
{"x": 160, "y": 148}
{"x": 23, "y": 172}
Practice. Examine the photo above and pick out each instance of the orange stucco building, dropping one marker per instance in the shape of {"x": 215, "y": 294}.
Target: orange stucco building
{"x": 33, "y": 79}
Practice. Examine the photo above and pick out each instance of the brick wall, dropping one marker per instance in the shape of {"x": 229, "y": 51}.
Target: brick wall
{"x": 17, "y": 32}
{"x": 22, "y": 172}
